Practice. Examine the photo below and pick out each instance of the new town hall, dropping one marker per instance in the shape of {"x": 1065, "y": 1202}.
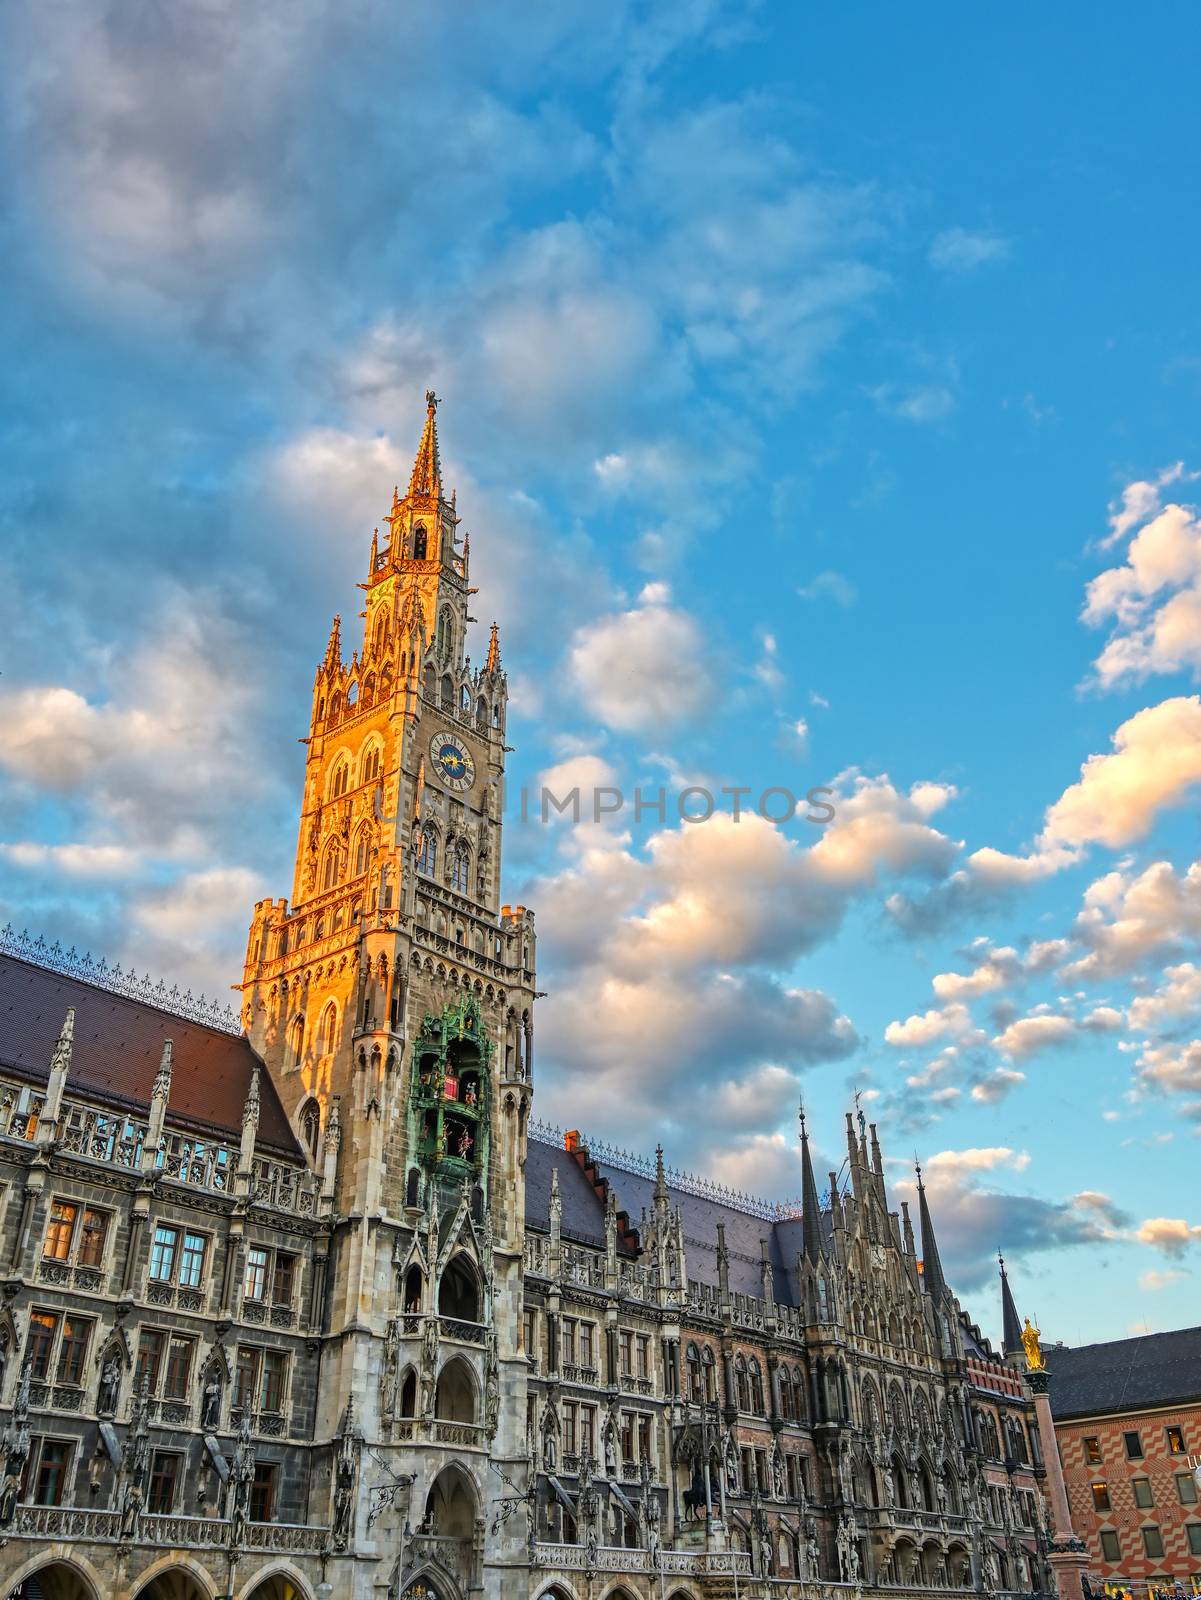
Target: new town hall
{"x": 303, "y": 1303}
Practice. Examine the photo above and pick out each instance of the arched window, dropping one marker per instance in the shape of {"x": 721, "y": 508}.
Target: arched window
{"x": 310, "y": 1126}
{"x": 369, "y": 688}
{"x": 460, "y": 872}
{"x": 385, "y": 681}
{"x": 445, "y": 632}
{"x": 335, "y": 705}
{"x": 481, "y": 713}
{"x": 756, "y": 1387}
{"x": 693, "y": 1359}
{"x": 381, "y": 630}
{"x": 327, "y": 1033}
{"x": 420, "y": 542}
{"x": 710, "y": 1377}
{"x": 329, "y": 872}
{"x": 362, "y": 850}
{"x": 371, "y": 764}
{"x": 352, "y": 696}
{"x": 786, "y": 1405}
{"x": 427, "y": 855}
{"x": 339, "y": 779}
{"x": 465, "y": 699}
{"x": 742, "y": 1385}
{"x": 295, "y": 1041}
{"x": 448, "y": 694}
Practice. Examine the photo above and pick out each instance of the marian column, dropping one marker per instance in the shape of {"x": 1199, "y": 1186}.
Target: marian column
{"x": 1066, "y": 1550}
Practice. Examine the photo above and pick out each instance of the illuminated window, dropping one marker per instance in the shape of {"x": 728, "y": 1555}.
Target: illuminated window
{"x": 60, "y": 1231}
{"x": 1100, "y": 1497}
{"x": 73, "y": 1349}
{"x": 1175, "y": 1440}
{"x": 92, "y": 1237}
{"x": 1092, "y": 1452}
{"x": 43, "y": 1325}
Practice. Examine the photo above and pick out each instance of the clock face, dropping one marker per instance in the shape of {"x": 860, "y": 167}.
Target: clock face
{"x": 452, "y": 761}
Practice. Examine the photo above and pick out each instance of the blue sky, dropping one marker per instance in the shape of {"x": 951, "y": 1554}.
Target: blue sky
{"x": 821, "y": 393}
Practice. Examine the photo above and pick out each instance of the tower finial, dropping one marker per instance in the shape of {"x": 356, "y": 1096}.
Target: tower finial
{"x": 493, "y": 662}
{"x": 333, "y": 650}
{"x": 426, "y": 479}
{"x": 1011, "y": 1323}
{"x": 811, "y": 1217}
{"x": 932, "y": 1277}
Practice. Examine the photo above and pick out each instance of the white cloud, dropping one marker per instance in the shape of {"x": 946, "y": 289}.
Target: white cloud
{"x": 829, "y": 586}
{"x": 1172, "y": 1235}
{"x": 643, "y": 670}
{"x": 1139, "y": 502}
{"x": 917, "y": 1031}
{"x": 1152, "y": 1281}
{"x": 1175, "y": 1001}
{"x": 74, "y": 860}
{"x": 1030, "y": 1035}
{"x": 961, "y": 250}
{"x": 929, "y": 402}
{"x": 1129, "y": 918}
{"x": 958, "y": 1163}
{"x": 996, "y": 1085}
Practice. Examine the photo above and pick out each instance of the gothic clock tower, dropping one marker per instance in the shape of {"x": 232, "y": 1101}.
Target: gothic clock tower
{"x": 391, "y": 1000}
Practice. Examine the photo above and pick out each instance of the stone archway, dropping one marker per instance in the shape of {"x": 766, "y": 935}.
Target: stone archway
{"x": 277, "y": 1586}
{"x": 176, "y": 1583}
{"x": 59, "y": 1580}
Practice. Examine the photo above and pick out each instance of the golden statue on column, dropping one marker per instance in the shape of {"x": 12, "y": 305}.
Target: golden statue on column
{"x": 1034, "y": 1354}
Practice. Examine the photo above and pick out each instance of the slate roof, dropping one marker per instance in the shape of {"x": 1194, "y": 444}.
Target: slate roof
{"x": 1154, "y": 1369}
{"x": 583, "y": 1219}
{"x": 118, "y": 1046}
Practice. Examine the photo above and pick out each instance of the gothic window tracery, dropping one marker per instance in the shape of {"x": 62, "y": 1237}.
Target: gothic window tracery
{"x": 327, "y": 1032}
{"x": 310, "y": 1126}
{"x": 339, "y": 778}
{"x": 420, "y": 542}
{"x": 330, "y": 871}
{"x": 460, "y": 872}
{"x": 427, "y": 852}
{"x": 362, "y": 850}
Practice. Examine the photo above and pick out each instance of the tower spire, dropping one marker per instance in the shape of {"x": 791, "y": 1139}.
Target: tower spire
{"x": 426, "y": 479}
{"x": 811, "y": 1217}
{"x": 333, "y": 650}
{"x": 936, "y": 1284}
{"x": 1011, "y": 1323}
{"x": 493, "y": 662}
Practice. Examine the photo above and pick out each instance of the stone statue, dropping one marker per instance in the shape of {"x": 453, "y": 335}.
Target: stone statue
{"x": 110, "y": 1383}
{"x": 842, "y": 1542}
{"x": 131, "y": 1510}
{"x": 210, "y": 1403}
{"x": 241, "y": 1478}
{"x": 943, "y": 1496}
{"x": 610, "y": 1449}
{"x": 1034, "y": 1354}
{"x": 777, "y": 1473}
{"x": 812, "y": 1557}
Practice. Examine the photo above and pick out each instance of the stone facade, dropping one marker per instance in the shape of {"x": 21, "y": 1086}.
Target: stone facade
{"x": 411, "y": 1344}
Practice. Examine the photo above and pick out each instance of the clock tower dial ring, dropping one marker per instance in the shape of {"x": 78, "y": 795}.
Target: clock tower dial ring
{"x": 452, "y": 761}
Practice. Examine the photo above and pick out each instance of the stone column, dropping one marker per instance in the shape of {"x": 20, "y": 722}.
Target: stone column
{"x": 1066, "y": 1552}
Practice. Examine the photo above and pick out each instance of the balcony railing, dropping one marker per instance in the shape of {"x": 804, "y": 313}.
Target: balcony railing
{"x": 86, "y": 1525}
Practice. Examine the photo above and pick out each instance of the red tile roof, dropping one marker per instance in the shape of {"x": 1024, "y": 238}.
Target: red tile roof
{"x": 118, "y": 1045}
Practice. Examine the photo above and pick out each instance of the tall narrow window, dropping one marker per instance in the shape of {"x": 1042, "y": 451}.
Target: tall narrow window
{"x": 150, "y": 1357}
{"x": 329, "y": 877}
{"x": 191, "y": 1260}
{"x": 427, "y": 855}
{"x": 327, "y": 1033}
{"x": 60, "y": 1231}
{"x": 420, "y": 542}
{"x": 179, "y": 1368}
{"x": 371, "y": 765}
{"x": 362, "y": 851}
{"x": 164, "y": 1477}
{"x": 310, "y": 1127}
{"x": 91, "y": 1242}
{"x": 460, "y": 877}
{"x": 51, "y": 1479}
{"x": 73, "y": 1349}
{"x": 162, "y": 1254}
{"x": 255, "y": 1287}
{"x": 43, "y": 1325}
